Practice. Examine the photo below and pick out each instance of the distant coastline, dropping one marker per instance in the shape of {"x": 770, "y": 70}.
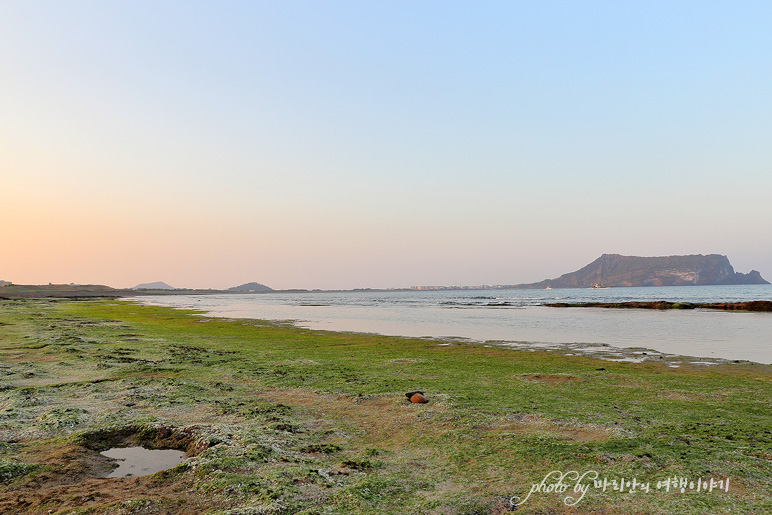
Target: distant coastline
{"x": 609, "y": 270}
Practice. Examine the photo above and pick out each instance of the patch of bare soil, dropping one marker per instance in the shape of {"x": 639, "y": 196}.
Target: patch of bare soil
{"x": 389, "y": 420}
{"x": 73, "y": 477}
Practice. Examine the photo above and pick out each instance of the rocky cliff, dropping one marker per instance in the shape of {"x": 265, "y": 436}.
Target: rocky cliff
{"x": 617, "y": 270}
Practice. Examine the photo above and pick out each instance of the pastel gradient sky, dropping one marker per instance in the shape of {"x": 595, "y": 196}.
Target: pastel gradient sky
{"x": 378, "y": 144}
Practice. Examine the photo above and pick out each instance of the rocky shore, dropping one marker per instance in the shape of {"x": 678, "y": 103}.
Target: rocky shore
{"x": 756, "y": 305}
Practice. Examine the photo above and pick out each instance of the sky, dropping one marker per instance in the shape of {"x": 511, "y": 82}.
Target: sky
{"x": 348, "y": 144}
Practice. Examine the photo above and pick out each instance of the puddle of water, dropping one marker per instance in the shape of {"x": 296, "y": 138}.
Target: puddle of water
{"x": 627, "y": 360}
{"x": 138, "y": 461}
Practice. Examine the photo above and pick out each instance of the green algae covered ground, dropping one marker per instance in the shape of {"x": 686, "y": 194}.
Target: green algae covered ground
{"x": 278, "y": 420}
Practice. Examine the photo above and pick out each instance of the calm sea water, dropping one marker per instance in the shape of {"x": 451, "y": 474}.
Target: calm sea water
{"x": 519, "y": 317}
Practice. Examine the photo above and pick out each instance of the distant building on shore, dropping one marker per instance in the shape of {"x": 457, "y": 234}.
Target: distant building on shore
{"x": 435, "y": 288}
{"x": 5, "y": 283}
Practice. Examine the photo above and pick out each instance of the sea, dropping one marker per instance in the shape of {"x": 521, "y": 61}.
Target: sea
{"x": 520, "y": 319}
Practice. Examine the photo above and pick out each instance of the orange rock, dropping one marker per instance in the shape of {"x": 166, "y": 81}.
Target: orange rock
{"x": 416, "y": 397}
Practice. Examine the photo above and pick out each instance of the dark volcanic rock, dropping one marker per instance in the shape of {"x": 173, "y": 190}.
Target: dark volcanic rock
{"x": 755, "y": 305}
{"x": 617, "y": 270}
{"x": 752, "y": 277}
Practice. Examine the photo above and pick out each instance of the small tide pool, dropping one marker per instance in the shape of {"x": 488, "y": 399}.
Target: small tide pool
{"x": 138, "y": 461}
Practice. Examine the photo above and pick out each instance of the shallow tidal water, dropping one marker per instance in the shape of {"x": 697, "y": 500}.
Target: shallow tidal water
{"x": 519, "y": 317}
{"x": 138, "y": 461}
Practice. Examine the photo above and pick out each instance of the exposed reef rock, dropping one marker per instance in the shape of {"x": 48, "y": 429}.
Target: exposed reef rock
{"x": 756, "y": 305}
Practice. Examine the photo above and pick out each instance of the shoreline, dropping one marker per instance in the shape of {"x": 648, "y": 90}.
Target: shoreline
{"x": 9, "y": 291}
{"x": 599, "y": 351}
{"x": 611, "y": 335}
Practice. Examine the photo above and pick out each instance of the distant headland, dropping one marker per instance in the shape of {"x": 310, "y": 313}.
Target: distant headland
{"x": 617, "y": 270}
{"x": 609, "y": 270}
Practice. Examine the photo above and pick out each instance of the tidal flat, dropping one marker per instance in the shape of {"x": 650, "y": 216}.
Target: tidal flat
{"x": 278, "y": 419}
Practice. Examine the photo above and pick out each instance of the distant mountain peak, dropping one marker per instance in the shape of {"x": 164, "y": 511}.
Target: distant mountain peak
{"x": 153, "y": 286}
{"x": 252, "y": 287}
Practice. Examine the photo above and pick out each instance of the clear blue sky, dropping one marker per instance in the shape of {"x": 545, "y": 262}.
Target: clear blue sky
{"x": 361, "y": 144}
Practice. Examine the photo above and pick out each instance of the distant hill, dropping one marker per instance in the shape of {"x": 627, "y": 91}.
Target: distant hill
{"x": 153, "y": 286}
{"x": 251, "y": 288}
{"x": 617, "y": 270}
